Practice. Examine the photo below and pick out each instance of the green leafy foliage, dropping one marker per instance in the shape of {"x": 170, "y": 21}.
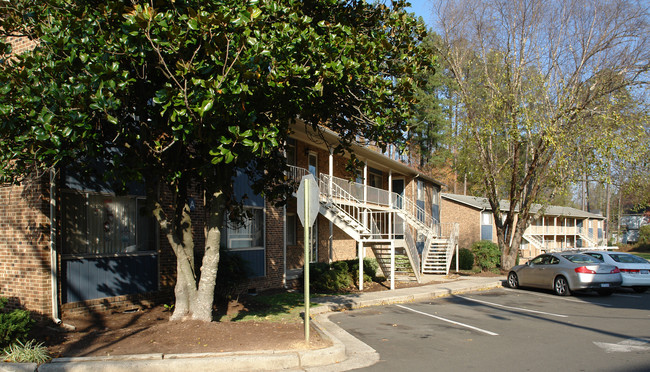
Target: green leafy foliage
{"x": 340, "y": 275}
{"x": 465, "y": 259}
{"x": 326, "y": 278}
{"x": 644, "y": 236}
{"x": 14, "y": 325}
{"x": 370, "y": 267}
{"x": 486, "y": 254}
{"x": 184, "y": 95}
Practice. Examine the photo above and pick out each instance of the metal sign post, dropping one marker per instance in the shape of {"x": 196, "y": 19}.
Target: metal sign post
{"x": 308, "y": 198}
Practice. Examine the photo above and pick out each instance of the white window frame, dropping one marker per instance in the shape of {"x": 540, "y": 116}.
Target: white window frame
{"x": 242, "y": 237}
{"x": 484, "y": 215}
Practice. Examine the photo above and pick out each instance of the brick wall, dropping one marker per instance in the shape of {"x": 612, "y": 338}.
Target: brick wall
{"x": 24, "y": 246}
{"x": 467, "y": 218}
{"x": 21, "y": 44}
{"x": 274, "y": 231}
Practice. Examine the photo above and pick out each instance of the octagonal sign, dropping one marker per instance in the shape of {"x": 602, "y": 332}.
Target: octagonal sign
{"x": 308, "y": 186}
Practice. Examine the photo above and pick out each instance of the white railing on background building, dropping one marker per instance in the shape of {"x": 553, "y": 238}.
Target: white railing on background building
{"x": 452, "y": 242}
{"x": 413, "y": 251}
{"x": 295, "y": 173}
{"x": 355, "y": 201}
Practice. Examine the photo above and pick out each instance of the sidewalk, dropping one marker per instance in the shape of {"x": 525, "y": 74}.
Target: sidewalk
{"x": 346, "y": 351}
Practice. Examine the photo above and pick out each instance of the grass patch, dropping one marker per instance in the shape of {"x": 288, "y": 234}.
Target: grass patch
{"x": 277, "y": 307}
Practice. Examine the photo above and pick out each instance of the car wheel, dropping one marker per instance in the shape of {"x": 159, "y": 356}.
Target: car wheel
{"x": 561, "y": 286}
{"x": 513, "y": 280}
{"x": 640, "y": 289}
{"x": 605, "y": 292}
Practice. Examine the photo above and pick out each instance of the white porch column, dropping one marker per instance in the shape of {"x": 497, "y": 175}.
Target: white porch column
{"x": 331, "y": 173}
{"x": 392, "y": 265}
{"x": 361, "y": 254}
{"x": 555, "y": 231}
{"x": 365, "y": 181}
{"x": 365, "y": 193}
{"x": 390, "y": 203}
{"x": 565, "y": 233}
{"x": 544, "y": 233}
{"x": 390, "y": 186}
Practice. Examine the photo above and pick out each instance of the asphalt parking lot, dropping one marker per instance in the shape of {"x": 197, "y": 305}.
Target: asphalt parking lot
{"x": 505, "y": 329}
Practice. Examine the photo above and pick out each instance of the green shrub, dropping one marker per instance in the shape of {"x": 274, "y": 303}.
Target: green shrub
{"x": 29, "y": 352}
{"x": 14, "y": 325}
{"x": 329, "y": 278}
{"x": 340, "y": 275}
{"x": 370, "y": 267}
{"x": 644, "y": 235}
{"x": 487, "y": 255}
{"x": 465, "y": 259}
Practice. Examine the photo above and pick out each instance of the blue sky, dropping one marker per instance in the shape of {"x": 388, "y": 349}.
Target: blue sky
{"x": 422, "y": 8}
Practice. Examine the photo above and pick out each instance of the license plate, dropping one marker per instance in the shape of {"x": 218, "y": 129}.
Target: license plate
{"x": 645, "y": 272}
{"x": 604, "y": 285}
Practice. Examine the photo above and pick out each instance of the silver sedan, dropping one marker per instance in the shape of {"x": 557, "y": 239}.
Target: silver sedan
{"x": 564, "y": 272}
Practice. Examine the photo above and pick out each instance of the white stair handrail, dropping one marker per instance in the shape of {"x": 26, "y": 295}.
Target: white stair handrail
{"x": 413, "y": 250}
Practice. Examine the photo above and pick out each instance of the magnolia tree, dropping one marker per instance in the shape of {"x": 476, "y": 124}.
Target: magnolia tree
{"x": 537, "y": 82}
{"x": 181, "y": 95}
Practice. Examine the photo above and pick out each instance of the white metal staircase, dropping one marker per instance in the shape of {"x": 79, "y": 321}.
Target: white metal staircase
{"x": 588, "y": 237}
{"x": 536, "y": 240}
{"x": 376, "y": 219}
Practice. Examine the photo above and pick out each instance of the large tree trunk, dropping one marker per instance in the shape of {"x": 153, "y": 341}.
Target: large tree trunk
{"x": 194, "y": 293}
{"x": 204, "y": 299}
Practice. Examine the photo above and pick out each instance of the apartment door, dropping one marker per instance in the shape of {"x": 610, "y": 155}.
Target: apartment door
{"x": 398, "y": 188}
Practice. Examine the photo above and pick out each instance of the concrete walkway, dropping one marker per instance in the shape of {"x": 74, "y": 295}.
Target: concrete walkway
{"x": 346, "y": 351}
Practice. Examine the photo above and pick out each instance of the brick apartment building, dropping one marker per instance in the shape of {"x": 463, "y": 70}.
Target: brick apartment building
{"x": 70, "y": 244}
{"x": 553, "y": 228}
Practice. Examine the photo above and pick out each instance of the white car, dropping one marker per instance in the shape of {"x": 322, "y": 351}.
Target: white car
{"x": 634, "y": 269}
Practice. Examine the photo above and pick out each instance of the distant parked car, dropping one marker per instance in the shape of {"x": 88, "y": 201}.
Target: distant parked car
{"x": 564, "y": 272}
{"x": 634, "y": 269}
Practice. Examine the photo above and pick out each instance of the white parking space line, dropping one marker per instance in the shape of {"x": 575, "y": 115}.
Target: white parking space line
{"x": 555, "y": 297}
{"x": 449, "y": 321}
{"x": 513, "y": 308}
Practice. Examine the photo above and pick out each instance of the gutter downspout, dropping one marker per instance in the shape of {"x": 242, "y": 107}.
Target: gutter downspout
{"x": 54, "y": 272}
{"x": 284, "y": 247}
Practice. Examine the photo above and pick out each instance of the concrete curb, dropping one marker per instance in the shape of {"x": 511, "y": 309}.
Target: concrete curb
{"x": 17, "y": 367}
{"x": 263, "y": 360}
{"x": 403, "y": 295}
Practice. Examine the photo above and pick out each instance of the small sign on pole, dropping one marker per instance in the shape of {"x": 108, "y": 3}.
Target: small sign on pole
{"x": 308, "y": 206}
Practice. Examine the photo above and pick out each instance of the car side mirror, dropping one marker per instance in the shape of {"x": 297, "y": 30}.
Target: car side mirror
{"x": 527, "y": 263}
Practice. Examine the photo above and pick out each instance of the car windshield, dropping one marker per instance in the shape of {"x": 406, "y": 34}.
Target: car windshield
{"x": 581, "y": 259}
{"x": 626, "y": 258}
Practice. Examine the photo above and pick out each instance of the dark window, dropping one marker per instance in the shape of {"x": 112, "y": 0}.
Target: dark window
{"x": 291, "y": 229}
{"x": 375, "y": 178}
{"x": 102, "y": 224}
{"x": 581, "y": 258}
